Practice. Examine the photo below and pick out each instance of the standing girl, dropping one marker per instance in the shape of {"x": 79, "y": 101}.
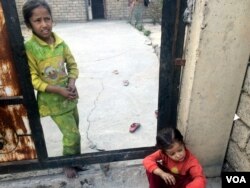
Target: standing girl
{"x": 172, "y": 165}
{"x": 53, "y": 72}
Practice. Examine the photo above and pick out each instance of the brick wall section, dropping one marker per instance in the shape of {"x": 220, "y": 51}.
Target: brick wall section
{"x": 120, "y": 9}
{"x": 75, "y": 10}
{"x": 116, "y": 9}
{"x": 238, "y": 154}
{"x": 62, "y": 10}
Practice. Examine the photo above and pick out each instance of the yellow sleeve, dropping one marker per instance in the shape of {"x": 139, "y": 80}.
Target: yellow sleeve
{"x": 71, "y": 65}
{"x": 37, "y": 82}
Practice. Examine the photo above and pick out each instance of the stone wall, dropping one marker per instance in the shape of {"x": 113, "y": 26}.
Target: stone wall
{"x": 238, "y": 154}
{"x": 62, "y": 10}
{"x": 117, "y": 9}
{"x": 76, "y": 10}
{"x": 121, "y": 9}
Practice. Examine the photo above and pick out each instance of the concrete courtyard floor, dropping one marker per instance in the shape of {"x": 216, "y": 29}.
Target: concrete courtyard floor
{"x": 109, "y": 55}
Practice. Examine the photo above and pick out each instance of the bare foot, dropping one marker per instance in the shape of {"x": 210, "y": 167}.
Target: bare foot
{"x": 70, "y": 172}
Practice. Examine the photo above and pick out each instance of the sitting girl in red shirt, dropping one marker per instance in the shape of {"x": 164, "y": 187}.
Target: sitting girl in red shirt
{"x": 173, "y": 165}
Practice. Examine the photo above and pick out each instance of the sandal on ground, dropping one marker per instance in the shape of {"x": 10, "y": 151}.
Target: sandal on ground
{"x": 115, "y": 72}
{"x": 133, "y": 127}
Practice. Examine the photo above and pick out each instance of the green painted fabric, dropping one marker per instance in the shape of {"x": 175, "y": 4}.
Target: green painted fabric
{"x": 68, "y": 125}
{"x": 51, "y": 65}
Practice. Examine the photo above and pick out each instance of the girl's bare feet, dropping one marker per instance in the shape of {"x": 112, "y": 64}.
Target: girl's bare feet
{"x": 70, "y": 172}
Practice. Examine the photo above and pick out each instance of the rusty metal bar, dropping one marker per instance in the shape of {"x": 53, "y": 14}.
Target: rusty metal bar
{"x": 20, "y": 61}
{"x": 11, "y": 100}
{"x": 179, "y": 62}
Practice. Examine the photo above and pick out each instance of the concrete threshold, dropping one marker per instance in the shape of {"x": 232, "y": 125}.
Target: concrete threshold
{"x": 129, "y": 174}
{"x": 125, "y": 174}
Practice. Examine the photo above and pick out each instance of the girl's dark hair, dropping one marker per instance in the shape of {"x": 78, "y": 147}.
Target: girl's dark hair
{"x": 167, "y": 136}
{"x": 30, "y": 5}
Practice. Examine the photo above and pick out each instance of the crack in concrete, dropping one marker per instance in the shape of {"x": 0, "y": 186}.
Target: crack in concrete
{"x": 111, "y": 57}
{"x": 92, "y": 144}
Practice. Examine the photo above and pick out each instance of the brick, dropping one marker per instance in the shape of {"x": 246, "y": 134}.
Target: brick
{"x": 244, "y": 109}
{"x": 248, "y": 148}
{"x": 60, "y": 9}
{"x": 246, "y": 86}
{"x": 240, "y": 134}
{"x": 237, "y": 158}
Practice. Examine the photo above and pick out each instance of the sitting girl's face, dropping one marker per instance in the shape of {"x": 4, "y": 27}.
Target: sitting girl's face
{"x": 176, "y": 152}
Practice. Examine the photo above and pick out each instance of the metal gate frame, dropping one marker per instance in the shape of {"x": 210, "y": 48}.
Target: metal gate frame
{"x": 173, "y": 30}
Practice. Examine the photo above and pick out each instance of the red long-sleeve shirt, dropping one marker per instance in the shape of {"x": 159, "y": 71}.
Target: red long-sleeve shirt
{"x": 189, "y": 167}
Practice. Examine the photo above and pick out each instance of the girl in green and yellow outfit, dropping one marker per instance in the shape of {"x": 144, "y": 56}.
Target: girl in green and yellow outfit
{"x": 53, "y": 72}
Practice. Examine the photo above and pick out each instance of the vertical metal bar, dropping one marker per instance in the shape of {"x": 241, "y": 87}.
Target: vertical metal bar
{"x": 20, "y": 60}
{"x": 172, "y": 39}
{"x": 166, "y": 66}
{"x": 178, "y": 52}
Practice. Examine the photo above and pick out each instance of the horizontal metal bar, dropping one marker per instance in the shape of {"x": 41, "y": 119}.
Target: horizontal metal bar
{"x": 11, "y": 100}
{"x": 74, "y": 160}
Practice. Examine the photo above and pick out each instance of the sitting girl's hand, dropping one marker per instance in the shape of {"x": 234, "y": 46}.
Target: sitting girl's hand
{"x": 168, "y": 178}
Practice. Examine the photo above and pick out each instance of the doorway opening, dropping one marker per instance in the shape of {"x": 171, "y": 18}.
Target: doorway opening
{"x": 98, "y": 9}
{"x": 171, "y": 45}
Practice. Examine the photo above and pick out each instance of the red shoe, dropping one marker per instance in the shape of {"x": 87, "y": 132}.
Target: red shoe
{"x": 133, "y": 127}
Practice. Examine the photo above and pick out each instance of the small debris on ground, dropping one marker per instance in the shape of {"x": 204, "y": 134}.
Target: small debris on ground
{"x": 125, "y": 82}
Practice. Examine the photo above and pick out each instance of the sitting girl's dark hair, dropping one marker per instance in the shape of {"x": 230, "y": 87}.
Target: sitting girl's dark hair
{"x": 167, "y": 136}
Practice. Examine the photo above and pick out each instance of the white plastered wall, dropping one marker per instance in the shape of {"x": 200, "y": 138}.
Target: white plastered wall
{"x": 216, "y": 52}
